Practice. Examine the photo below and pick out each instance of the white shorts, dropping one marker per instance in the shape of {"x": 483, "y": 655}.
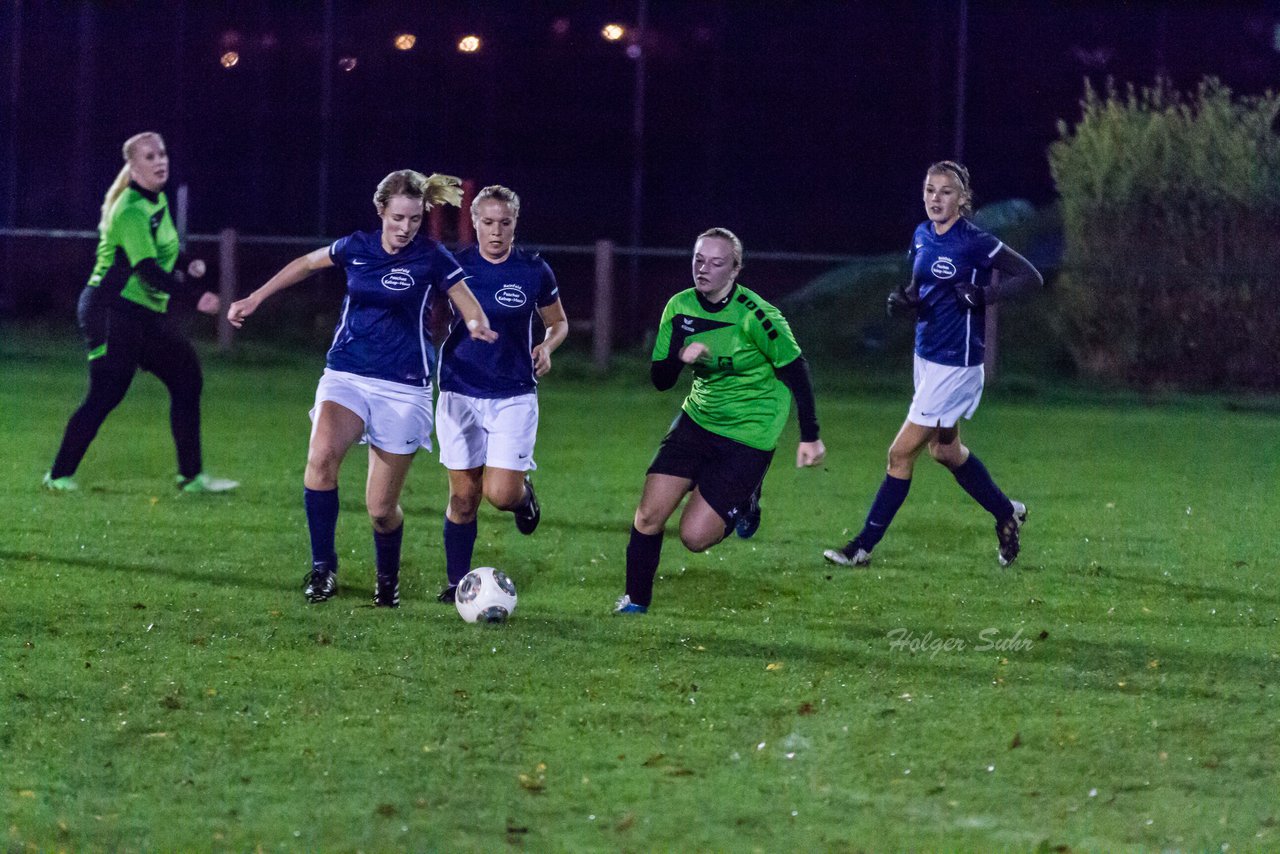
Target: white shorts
{"x": 397, "y": 417}
{"x": 944, "y": 393}
{"x": 477, "y": 431}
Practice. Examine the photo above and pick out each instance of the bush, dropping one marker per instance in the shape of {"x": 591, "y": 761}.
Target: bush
{"x": 1169, "y": 207}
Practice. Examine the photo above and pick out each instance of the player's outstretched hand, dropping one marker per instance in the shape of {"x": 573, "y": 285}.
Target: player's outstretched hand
{"x": 209, "y": 303}
{"x": 810, "y": 453}
{"x": 970, "y": 295}
{"x": 541, "y": 360}
{"x": 691, "y": 353}
{"x": 900, "y": 303}
{"x": 240, "y": 309}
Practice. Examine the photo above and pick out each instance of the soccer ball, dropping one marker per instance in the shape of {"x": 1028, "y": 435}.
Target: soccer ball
{"x": 486, "y": 595}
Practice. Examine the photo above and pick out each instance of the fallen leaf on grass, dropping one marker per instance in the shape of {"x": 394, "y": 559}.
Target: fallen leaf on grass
{"x": 1017, "y": 741}
{"x": 805, "y": 709}
{"x": 773, "y": 665}
{"x": 537, "y": 781}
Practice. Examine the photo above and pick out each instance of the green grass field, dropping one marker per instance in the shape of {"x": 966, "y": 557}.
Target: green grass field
{"x": 163, "y": 686}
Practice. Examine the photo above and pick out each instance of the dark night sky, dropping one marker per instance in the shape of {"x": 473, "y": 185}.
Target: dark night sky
{"x": 804, "y": 126}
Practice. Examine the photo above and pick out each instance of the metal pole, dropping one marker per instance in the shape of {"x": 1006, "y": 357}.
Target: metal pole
{"x": 227, "y": 285}
{"x": 15, "y": 94}
{"x": 602, "y": 314}
{"x": 637, "y": 167}
{"x": 181, "y": 209}
{"x": 326, "y": 121}
{"x": 82, "y": 195}
{"x": 962, "y": 64}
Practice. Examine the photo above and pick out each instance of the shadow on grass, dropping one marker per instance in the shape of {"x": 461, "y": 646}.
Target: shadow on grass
{"x": 212, "y": 577}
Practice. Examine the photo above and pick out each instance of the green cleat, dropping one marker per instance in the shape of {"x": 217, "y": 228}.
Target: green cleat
{"x": 60, "y": 484}
{"x": 204, "y": 483}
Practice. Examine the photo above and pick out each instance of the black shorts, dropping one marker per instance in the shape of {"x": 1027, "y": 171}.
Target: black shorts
{"x": 725, "y": 471}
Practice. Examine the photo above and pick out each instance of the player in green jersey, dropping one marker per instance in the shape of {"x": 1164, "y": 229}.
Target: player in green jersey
{"x": 123, "y": 313}
{"x": 746, "y": 368}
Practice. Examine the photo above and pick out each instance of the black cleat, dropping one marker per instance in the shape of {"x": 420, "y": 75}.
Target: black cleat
{"x": 528, "y": 516}
{"x": 449, "y": 595}
{"x": 386, "y": 592}
{"x": 749, "y": 519}
{"x": 320, "y": 584}
{"x": 1007, "y": 534}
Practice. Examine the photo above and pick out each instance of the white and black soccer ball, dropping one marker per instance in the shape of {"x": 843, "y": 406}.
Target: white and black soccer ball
{"x": 486, "y": 595}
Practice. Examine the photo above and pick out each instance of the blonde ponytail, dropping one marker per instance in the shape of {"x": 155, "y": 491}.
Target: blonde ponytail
{"x": 434, "y": 190}
{"x": 113, "y": 193}
{"x": 122, "y": 178}
{"x": 443, "y": 190}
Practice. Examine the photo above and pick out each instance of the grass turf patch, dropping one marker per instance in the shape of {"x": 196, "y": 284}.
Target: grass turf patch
{"x": 164, "y": 686}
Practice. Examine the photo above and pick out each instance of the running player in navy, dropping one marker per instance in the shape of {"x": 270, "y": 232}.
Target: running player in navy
{"x": 487, "y": 412}
{"x": 376, "y": 386}
{"x": 952, "y": 260}
{"x": 123, "y": 313}
{"x": 746, "y": 368}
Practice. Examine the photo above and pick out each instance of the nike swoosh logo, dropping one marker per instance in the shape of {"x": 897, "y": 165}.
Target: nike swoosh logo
{"x": 358, "y": 263}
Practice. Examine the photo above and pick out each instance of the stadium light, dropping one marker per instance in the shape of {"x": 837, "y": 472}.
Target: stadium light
{"x": 230, "y": 59}
{"x": 469, "y": 44}
{"x": 613, "y": 32}
{"x": 405, "y": 41}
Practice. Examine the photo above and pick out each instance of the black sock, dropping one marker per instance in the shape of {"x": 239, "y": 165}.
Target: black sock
{"x": 322, "y": 523}
{"x": 459, "y": 545}
{"x": 976, "y": 480}
{"x": 386, "y": 552}
{"x": 893, "y": 491}
{"x": 643, "y": 553}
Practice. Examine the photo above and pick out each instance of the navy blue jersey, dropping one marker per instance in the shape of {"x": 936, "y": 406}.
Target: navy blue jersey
{"x": 945, "y": 333}
{"x": 509, "y": 292}
{"x": 382, "y": 333}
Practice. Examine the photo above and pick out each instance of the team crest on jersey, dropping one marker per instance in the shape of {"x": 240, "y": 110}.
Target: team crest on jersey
{"x": 511, "y": 296}
{"x": 399, "y": 279}
{"x": 943, "y": 268}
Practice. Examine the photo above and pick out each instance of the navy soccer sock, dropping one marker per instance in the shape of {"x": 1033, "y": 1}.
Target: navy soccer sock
{"x": 322, "y": 523}
{"x": 386, "y": 552}
{"x": 892, "y": 492}
{"x": 643, "y": 553}
{"x": 459, "y": 543}
{"x": 973, "y": 476}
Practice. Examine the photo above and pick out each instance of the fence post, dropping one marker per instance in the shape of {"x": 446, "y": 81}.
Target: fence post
{"x": 991, "y": 335}
{"x": 602, "y": 314}
{"x": 466, "y": 234}
{"x": 227, "y": 285}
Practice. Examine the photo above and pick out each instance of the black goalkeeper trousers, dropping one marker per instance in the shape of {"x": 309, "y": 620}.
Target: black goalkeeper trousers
{"x": 122, "y": 338}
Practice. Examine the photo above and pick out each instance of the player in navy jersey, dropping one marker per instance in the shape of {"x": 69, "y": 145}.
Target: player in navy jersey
{"x": 487, "y": 413}
{"x": 950, "y": 287}
{"x": 376, "y": 386}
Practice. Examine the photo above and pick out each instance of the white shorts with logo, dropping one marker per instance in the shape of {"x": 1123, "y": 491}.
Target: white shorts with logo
{"x": 478, "y": 431}
{"x": 944, "y": 393}
{"x": 397, "y": 417}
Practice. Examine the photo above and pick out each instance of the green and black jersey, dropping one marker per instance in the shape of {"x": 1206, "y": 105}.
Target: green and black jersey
{"x": 736, "y": 392}
{"x": 139, "y": 227}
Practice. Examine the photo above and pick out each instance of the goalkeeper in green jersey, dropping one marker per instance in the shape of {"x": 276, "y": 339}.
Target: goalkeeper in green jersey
{"x": 746, "y": 368}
